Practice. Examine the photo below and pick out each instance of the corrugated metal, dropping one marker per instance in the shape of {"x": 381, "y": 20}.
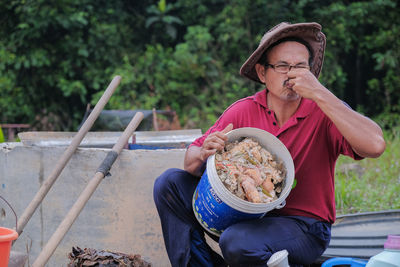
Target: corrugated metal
{"x": 362, "y": 235}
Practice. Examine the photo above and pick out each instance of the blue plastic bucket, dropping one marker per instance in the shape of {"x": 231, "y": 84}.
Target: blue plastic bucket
{"x": 216, "y": 208}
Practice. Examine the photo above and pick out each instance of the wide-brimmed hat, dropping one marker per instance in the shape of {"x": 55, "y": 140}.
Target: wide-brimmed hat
{"x": 309, "y": 32}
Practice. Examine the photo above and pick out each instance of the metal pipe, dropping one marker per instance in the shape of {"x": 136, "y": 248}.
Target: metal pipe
{"x": 74, "y": 212}
{"x": 48, "y": 183}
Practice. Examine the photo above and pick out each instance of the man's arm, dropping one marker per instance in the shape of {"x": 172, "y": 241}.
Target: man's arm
{"x": 195, "y": 156}
{"x": 363, "y": 134}
{"x": 194, "y": 162}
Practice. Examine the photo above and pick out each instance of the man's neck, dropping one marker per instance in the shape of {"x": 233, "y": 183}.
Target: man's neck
{"x": 283, "y": 109}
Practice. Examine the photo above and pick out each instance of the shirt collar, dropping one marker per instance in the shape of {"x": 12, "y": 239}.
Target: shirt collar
{"x": 305, "y": 108}
{"x": 261, "y": 98}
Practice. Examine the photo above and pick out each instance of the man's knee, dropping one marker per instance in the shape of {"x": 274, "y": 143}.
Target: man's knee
{"x": 238, "y": 250}
{"x": 165, "y": 178}
{"x": 163, "y": 183}
{"x": 231, "y": 247}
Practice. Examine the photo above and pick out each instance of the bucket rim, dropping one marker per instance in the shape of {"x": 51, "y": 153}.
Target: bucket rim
{"x": 10, "y": 236}
{"x": 258, "y": 207}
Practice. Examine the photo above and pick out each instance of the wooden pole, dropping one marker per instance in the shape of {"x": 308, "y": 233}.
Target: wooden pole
{"x": 48, "y": 183}
{"x": 74, "y": 212}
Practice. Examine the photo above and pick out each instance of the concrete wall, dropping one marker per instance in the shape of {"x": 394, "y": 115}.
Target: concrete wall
{"x": 120, "y": 216}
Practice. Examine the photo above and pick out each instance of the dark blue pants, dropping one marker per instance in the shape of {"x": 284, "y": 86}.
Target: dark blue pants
{"x": 249, "y": 243}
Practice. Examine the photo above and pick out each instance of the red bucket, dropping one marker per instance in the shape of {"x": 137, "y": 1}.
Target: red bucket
{"x": 6, "y": 237}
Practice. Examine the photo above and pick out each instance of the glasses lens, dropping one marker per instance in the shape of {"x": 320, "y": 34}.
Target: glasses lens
{"x": 282, "y": 68}
{"x": 301, "y": 67}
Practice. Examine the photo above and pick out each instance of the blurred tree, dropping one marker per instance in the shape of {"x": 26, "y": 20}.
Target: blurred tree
{"x": 159, "y": 14}
{"x": 57, "y": 56}
{"x": 363, "y": 45}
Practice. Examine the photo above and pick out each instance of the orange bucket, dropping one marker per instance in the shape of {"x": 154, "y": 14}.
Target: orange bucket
{"x": 6, "y": 237}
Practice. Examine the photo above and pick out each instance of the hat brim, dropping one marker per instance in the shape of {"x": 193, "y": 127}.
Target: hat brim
{"x": 309, "y": 32}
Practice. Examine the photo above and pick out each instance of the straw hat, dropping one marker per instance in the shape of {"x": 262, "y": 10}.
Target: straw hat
{"x": 309, "y": 32}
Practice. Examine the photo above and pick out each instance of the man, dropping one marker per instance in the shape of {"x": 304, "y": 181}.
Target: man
{"x": 315, "y": 126}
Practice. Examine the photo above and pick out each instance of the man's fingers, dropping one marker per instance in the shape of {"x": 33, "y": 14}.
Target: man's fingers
{"x": 291, "y": 74}
{"x": 228, "y": 128}
{"x": 206, "y": 153}
{"x": 210, "y": 152}
{"x": 216, "y": 141}
{"x": 217, "y": 144}
{"x": 217, "y": 138}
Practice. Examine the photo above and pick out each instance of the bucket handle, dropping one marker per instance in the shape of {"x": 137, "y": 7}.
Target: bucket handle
{"x": 16, "y": 219}
{"x": 281, "y": 205}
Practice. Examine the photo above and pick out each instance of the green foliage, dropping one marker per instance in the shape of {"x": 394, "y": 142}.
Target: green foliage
{"x": 159, "y": 14}
{"x": 1, "y": 136}
{"x": 388, "y": 121}
{"x": 363, "y": 53}
{"x": 185, "y": 78}
{"x": 374, "y": 184}
{"x": 57, "y": 56}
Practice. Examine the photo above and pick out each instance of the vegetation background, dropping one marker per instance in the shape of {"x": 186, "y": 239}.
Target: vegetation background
{"x": 57, "y": 56}
{"x": 184, "y": 55}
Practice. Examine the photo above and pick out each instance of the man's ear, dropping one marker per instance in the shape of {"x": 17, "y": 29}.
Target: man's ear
{"x": 260, "y": 72}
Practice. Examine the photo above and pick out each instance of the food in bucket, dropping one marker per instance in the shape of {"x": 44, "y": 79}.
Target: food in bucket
{"x": 250, "y": 172}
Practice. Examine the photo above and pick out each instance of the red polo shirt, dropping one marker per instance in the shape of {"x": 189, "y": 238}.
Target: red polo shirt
{"x": 313, "y": 142}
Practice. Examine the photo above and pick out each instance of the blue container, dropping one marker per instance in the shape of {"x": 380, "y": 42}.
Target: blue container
{"x": 212, "y": 213}
{"x": 340, "y": 261}
{"x": 216, "y": 208}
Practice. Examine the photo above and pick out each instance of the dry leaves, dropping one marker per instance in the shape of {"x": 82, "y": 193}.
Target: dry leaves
{"x": 91, "y": 257}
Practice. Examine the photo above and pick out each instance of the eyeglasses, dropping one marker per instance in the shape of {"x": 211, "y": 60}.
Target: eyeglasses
{"x": 285, "y": 68}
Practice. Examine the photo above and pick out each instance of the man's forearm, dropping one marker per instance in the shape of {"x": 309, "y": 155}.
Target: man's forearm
{"x": 363, "y": 134}
{"x": 193, "y": 162}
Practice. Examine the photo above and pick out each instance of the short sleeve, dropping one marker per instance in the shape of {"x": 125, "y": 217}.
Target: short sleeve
{"x": 339, "y": 143}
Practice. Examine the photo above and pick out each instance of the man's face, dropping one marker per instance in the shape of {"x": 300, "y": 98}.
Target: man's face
{"x": 290, "y": 53}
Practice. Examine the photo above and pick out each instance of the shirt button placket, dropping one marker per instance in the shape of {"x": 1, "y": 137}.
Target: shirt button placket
{"x": 269, "y": 113}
